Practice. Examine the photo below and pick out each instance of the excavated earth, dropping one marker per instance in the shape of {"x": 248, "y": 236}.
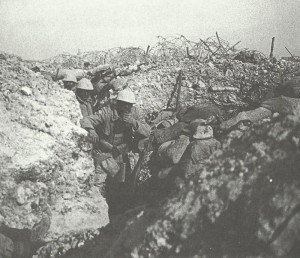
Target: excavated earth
{"x": 43, "y": 155}
{"x": 244, "y": 202}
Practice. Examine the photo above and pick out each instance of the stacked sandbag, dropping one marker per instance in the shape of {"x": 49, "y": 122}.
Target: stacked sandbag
{"x": 181, "y": 148}
{"x": 62, "y": 73}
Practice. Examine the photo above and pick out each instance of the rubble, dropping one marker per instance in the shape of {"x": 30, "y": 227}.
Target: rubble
{"x": 234, "y": 203}
{"x": 242, "y": 203}
{"x": 41, "y": 154}
{"x": 26, "y": 91}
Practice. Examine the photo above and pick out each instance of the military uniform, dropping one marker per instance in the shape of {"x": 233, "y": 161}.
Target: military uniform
{"x": 113, "y": 132}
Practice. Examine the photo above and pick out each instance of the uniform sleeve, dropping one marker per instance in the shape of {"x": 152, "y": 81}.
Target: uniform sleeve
{"x": 142, "y": 130}
{"x": 92, "y": 121}
{"x": 84, "y": 110}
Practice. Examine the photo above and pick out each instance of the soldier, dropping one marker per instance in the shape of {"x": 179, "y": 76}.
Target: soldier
{"x": 83, "y": 95}
{"x": 286, "y": 101}
{"x": 101, "y": 94}
{"x": 202, "y": 146}
{"x": 70, "y": 81}
{"x": 115, "y": 130}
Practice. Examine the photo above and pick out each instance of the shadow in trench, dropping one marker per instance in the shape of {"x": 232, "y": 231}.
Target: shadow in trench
{"x": 16, "y": 243}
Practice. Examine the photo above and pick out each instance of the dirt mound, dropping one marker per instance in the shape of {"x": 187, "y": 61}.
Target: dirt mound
{"x": 43, "y": 155}
{"x": 243, "y": 203}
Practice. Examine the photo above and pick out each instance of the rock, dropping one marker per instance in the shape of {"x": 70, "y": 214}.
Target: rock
{"x": 229, "y": 73}
{"x": 3, "y": 57}
{"x": 189, "y": 84}
{"x": 211, "y": 210}
{"x": 201, "y": 84}
{"x": 219, "y": 88}
{"x": 211, "y": 65}
{"x": 26, "y": 91}
{"x": 68, "y": 196}
{"x": 221, "y": 184}
{"x": 35, "y": 164}
{"x": 20, "y": 195}
{"x": 288, "y": 238}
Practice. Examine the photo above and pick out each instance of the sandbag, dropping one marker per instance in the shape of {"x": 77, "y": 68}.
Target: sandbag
{"x": 282, "y": 105}
{"x": 47, "y": 75}
{"x": 195, "y": 155}
{"x": 61, "y": 73}
{"x": 166, "y": 123}
{"x": 201, "y": 150}
{"x": 163, "y": 115}
{"x": 169, "y": 133}
{"x": 100, "y": 68}
{"x": 79, "y": 73}
{"x": 110, "y": 166}
{"x": 200, "y": 111}
{"x": 172, "y": 151}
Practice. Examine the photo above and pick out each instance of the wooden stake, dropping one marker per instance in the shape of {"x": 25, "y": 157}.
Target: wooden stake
{"x": 289, "y": 52}
{"x": 147, "y": 49}
{"x": 207, "y": 46}
{"x": 220, "y": 42}
{"x": 233, "y": 46}
{"x": 177, "y": 105}
{"x": 272, "y": 47}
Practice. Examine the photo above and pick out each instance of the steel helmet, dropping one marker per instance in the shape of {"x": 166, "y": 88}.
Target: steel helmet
{"x": 118, "y": 84}
{"x": 126, "y": 95}
{"x": 70, "y": 77}
{"x": 85, "y": 84}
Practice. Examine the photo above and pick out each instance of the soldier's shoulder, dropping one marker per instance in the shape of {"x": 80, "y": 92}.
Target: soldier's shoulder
{"x": 105, "y": 109}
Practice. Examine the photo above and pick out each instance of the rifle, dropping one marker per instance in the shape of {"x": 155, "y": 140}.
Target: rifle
{"x": 141, "y": 160}
{"x": 177, "y": 105}
{"x": 177, "y": 87}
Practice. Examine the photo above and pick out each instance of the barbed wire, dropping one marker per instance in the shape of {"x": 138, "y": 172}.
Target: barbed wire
{"x": 171, "y": 48}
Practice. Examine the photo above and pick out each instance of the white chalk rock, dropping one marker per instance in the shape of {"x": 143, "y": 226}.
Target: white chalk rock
{"x": 26, "y": 91}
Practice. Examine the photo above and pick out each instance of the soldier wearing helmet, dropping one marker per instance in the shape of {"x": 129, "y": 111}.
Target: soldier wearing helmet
{"x": 83, "y": 95}
{"x": 70, "y": 81}
{"x": 115, "y": 130}
{"x": 101, "y": 94}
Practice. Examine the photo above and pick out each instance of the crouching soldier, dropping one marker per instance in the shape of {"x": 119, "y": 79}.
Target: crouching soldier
{"x": 178, "y": 159}
{"x": 115, "y": 131}
{"x": 202, "y": 146}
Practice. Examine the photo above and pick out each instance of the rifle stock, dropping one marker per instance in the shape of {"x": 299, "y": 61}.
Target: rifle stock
{"x": 140, "y": 162}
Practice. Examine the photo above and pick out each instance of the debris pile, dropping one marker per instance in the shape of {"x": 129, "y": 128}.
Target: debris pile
{"x": 44, "y": 157}
{"x": 242, "y": 201}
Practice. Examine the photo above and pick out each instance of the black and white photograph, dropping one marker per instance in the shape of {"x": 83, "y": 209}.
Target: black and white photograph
{"x": 149, "y": 129}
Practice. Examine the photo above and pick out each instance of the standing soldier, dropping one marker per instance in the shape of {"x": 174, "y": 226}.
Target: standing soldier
{"x": 115, "y": 130}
